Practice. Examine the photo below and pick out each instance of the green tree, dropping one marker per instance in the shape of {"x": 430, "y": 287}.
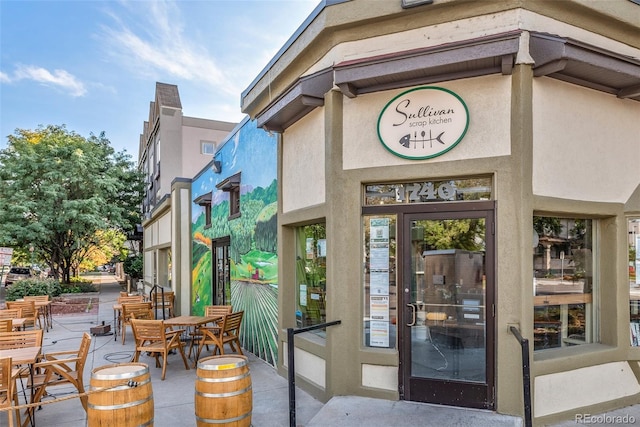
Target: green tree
{"x": 58, "y": 189}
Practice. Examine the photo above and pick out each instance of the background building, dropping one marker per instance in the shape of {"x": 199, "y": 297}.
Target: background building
{"x": 173, "y": 148}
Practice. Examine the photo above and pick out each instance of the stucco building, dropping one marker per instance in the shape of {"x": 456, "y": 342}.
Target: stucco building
{"x": 173, "y": 148}
{"x": 447, "y": 170}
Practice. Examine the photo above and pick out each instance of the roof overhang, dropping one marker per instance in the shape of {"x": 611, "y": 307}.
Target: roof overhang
{"x": 556, "y": 57}
{"x": 305, "y": 95}
{"x": 584, "y": 65}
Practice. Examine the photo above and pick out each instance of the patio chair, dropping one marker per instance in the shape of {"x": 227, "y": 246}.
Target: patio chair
{"x": 42, "y": 311}
{"x": 228, "y": 332}
{"x": 164, "y": 304}
{"x": 29, "y": 311}
{"x": 209, "y": 311}
{"x": 152, "y": 337}
{"x": 63, "y": 368}
{"x": 8, "y": 391}
{"x": 21, "y": 339}
{"x": 6, "y": 325}
{"x": 11, "y": 313}
{"x": 138, "y": 309}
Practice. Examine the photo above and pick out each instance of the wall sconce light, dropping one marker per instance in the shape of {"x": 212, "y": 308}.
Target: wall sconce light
{"x": 217, "y": 166}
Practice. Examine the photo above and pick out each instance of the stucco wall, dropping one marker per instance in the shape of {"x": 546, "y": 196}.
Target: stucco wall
{"x": 586, "y": 143}
{"x": 488, "y": 101}
{"x": 303, "y": 153}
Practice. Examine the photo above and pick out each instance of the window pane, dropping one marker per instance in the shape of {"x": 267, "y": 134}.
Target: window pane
{"x": 380, "y": 297}
{"x": 563, "y": 280}
{"x": 208, "y": 147}
{"x": 311, "y": 276}
{"x": 428, "y": 192}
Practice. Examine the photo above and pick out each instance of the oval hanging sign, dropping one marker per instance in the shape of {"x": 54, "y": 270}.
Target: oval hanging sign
{"x": 422, "y": 123}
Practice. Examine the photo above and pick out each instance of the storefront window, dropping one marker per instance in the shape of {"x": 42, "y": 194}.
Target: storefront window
{"x": 380, "y": 297}
{"x": 634, "y": 281}
{"x": 563, "y": 281}
{"x": 311, "y": 276}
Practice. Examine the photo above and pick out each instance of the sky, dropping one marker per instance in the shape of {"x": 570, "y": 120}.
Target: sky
{"x": 92, "y": 65}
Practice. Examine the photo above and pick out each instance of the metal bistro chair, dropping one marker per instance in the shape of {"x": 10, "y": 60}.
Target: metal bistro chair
{"x": 152, "y": 337}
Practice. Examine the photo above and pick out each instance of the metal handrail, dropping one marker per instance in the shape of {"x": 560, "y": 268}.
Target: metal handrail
{"x": 526, "y": 375}
{"x": 291, "y": 332}
{"x": 153, "y": 299}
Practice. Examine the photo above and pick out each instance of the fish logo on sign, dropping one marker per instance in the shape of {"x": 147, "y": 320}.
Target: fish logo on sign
{"x": 406, "y": 140}
{"x": 422, "y": 123}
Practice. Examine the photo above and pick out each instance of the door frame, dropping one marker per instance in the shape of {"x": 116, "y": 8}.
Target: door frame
{"x": 448, "y": 392}
{"x": 484, "y": 395}
{"x": 215, "y": 244}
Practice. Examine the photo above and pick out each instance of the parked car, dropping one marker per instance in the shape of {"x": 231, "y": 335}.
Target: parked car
{"x": 18, "y": 273}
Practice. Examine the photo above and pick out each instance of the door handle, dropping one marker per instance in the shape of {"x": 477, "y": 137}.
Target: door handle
{"x": 413, "y": 314}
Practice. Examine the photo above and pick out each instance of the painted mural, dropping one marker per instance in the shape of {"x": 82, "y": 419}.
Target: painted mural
{"x": 253, "y": 262}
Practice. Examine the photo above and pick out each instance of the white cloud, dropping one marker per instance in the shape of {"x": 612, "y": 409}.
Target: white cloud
{"x": 58, "y": 78}
{"x": 4, "y": 78}
{"x": 158, "y": 46}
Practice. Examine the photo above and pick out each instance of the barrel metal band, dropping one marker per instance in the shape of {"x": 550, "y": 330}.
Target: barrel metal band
{"x": 223, "y": 379}
{"x": 121, "y": 375}
{"x": 122, "y": 406}
{"x": 226, "y": 366}
{"x": 230, "y": 394}
{"x": 122, "y": 387}
{"x": 228, "y": 420}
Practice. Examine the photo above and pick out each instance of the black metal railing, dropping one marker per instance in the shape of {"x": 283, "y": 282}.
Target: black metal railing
{"x": 153, "y": 295}
{"x": 291, "y": 332}
{"x": 526, "y": 375}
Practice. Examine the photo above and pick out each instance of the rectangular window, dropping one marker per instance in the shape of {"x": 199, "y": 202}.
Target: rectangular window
{"x": 207, "y": 216}
{"x": 208, "y": 147}
{"x": 565, "y": 286}
{"x": 451, "y": 190}
{"x": 234, "y": 202}
{"x": 311, "y": 276}
{"x": 634, "y": 281}
{"x": 231, "y": 185}
{"x": 380, "y": 296}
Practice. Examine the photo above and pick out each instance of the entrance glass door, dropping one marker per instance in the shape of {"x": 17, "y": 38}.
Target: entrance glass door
{"x": 447, "y": 337}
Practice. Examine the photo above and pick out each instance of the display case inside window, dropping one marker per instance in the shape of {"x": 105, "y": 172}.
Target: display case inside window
{"x": 311, "y": 276}
{"x": 563, "y": 281}
{"x": 380, "y": 296}
{"x": 634, "y": 281}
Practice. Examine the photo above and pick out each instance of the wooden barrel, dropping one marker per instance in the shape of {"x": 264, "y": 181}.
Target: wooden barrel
{"x": 223, "y": 391}
{"x": 127, "y": 400}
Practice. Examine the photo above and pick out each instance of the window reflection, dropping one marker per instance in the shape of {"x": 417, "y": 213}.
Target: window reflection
{"x": 563, "y": 282}
{"x": 311, "y": 276}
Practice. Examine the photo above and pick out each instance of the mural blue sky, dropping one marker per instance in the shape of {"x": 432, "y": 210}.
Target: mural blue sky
{"x": 254, "y": 148}
{"x": 92, "y": 65}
